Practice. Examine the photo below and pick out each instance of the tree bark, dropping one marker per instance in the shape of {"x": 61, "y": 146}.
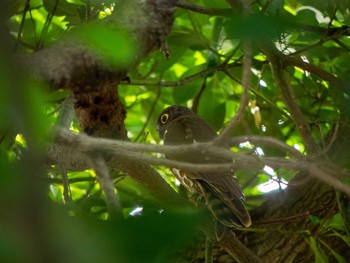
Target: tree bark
{"x": 282, "y": 229}
{"x": 73, "y": 64}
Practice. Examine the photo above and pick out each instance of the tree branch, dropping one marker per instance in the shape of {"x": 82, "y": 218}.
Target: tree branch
{"x": 126, "y": 153}
{"x": 321, "y": 73}
{"x": 268, "y": 141}
{"x": 149, "y": 114}
{"x": 66, "y": 113}
{"x": 245, "y": 96}
{"x": 278, "y": 65}
{"x": 205, "y": 11}
{"x": 114, "y": 206}
{"x": 180, "y": 82}
{"x": 231, "y": 244}
{"x": 237, "y": 249}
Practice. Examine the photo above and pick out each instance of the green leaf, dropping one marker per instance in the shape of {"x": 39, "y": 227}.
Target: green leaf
{"x": 306, "y": 17}
{"x": 112, "y": 45}
{"x": 338, "y": 257}
{"x": 315, "y": 219}
{"x": 61, "y": 7}
{"x": 211, "y": 108}
{"x": 183, "y": 93}
{"x": 320, "y": 255}
{"x": 256, "y": 27}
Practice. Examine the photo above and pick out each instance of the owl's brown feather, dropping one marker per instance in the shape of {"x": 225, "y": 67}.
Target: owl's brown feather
{"x": 221, "y": 190}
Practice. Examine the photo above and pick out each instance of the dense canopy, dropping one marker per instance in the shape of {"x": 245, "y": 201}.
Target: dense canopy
{"x": 82, "y": 177}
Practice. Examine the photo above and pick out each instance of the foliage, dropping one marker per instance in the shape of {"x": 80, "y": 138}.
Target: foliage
{"x": 313, "y": 31}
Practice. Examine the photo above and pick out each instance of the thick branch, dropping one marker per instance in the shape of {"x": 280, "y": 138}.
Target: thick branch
{"x": 237, "y": 249}
{"x": 143, "y": 173}
{"x": 126, "y": 152}
{"x": 231, "y": 244}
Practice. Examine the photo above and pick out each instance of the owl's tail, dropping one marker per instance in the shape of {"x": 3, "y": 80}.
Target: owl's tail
{"x": 230, "y": 212}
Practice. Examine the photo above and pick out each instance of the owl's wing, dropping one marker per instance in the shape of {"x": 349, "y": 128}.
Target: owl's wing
{"x": 197, "y": 128}
{"x": 221, "y": 191}
{"x": 224, "y": 198}
{"x": 177, "y": 133}
{"x": 187, "y": 130}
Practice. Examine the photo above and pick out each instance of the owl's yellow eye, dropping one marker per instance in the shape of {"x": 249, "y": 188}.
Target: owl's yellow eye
{"x": 164, "y": 118}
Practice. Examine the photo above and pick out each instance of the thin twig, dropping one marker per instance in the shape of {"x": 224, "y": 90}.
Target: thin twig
{"x": 341, "y": 44}
{"x": 307, "y": 48}
{"x": 88, "y": 11}
{"x": 198, "y": 95}
{"x": 333, "y": 138}
{"x": 224, "y": 66}
{"x": 47, "y": 23}
{"x": 21, "y": 26}
{"x": 180, "y": 82}
{"x": 70, "y": 180}
{"x": 268, "y": 141}
{"x": 112, "y": 201}
{"x": 232, "y": 54}
{"x": 149, "y": 114}
{"x": 245, "y": 96}
{"x": 203, "y": 10}
{"x": 67, "y": 195}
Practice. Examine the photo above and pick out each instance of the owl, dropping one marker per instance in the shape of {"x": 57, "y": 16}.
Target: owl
{"x": 221, "y": 192}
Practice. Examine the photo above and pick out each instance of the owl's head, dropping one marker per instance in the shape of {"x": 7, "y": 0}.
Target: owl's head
{"x": 170, "y": 114}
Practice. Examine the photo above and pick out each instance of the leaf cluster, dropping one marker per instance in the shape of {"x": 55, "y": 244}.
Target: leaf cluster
{"x": 204, "y": 72}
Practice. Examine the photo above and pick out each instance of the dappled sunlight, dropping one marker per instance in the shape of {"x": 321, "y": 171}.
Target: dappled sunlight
{"x": 93, "y": 170}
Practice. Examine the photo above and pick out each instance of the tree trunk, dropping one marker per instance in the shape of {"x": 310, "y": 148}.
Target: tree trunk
{"x": 290, "y": 225}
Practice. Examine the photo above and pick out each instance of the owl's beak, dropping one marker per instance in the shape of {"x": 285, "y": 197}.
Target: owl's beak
{"x": 159, "y": 131}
